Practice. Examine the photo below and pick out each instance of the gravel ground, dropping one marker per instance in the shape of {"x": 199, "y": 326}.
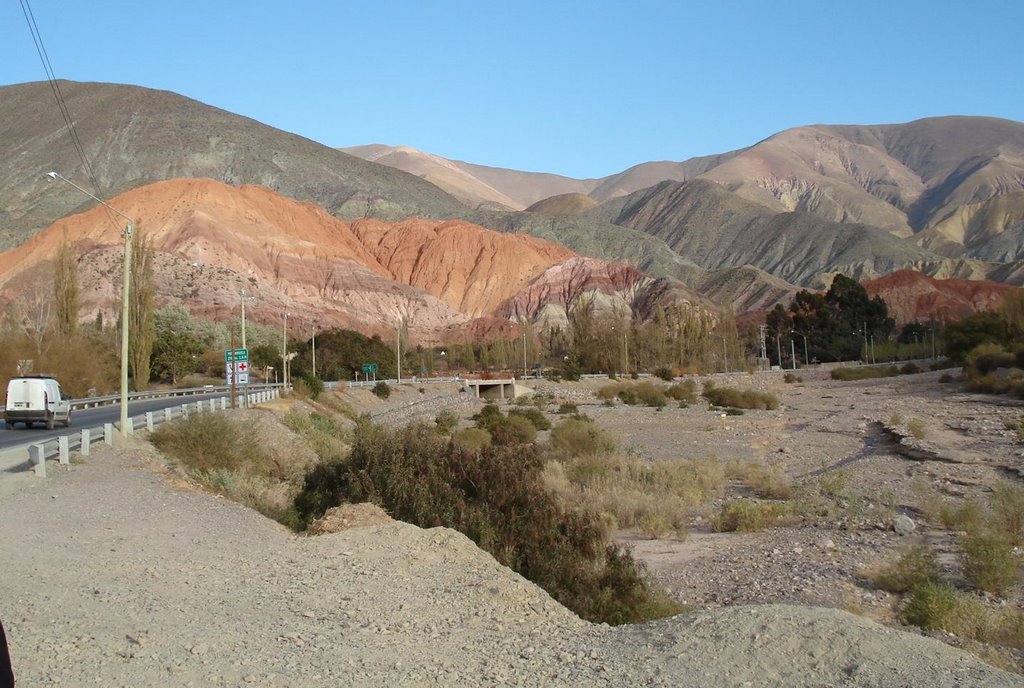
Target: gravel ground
{"x": 117, "y": 573}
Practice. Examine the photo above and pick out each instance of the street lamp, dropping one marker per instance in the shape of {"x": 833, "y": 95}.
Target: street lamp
{"x": 128, "y": 231}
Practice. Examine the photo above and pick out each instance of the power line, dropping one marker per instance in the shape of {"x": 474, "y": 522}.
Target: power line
{"x": 37, "y": 38}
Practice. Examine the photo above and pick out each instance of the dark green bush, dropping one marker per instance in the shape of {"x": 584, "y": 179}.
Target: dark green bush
{"x": 628, "y": 396}
{"x": 740, "y": 399}
{"x": 513, "y": 430}
{"x": 664, "y": 373}
{"x": 535, "y": 416}
{"x": 497, "y": 498}
{"x": 445, "y": 421}
{"x": 864, "y": 372}
{"x": 790, "y": 378}
{"x": 489, "y": 416}
{"x": 945, "y": 378}
{"x": 567, "y": 408}
{"x": 986, "y": 358}
{"x": 314, "y": 385}
{"x": 382, "y": 390}
{"x": 910, "y": 369}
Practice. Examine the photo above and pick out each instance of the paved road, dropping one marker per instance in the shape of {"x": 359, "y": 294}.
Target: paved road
{"x": 87, "y": 418}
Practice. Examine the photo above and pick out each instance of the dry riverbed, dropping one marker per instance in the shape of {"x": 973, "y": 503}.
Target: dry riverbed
{"x": 117, "y": 572}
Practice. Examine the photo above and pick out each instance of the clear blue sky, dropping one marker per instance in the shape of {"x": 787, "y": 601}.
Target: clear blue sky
{"x": 583, "y": 89}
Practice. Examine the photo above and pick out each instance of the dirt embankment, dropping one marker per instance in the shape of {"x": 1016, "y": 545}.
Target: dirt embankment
{"x": 109, "y": 575}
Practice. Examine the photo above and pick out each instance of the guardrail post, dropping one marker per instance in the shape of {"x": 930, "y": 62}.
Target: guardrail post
{"x": 37, "y": 455}
{"x": 199, "y": 407}
{"x": 131, "y": 425}
{"x": 149, "y": 421}
{"x": 184, "y": 410}
{"x": 108, "y": 433}
{"x": 167, "y": 414}
{"x": 223, "y": 403}
{"x": 213, "y": 404}
{"x": 86, "y": 441}
{"x": 62, "y": 450}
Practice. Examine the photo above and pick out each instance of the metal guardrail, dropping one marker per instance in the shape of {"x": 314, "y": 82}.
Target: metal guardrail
{"x": 60, "y": 447}
{"x": 90, "y": 402}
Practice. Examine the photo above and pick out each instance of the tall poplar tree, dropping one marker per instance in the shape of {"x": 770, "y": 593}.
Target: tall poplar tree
{"x": 142, "y": 332}
{"x": 65, "y": 288}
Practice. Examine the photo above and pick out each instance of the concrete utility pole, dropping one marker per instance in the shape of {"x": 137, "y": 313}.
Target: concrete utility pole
{"x": 792, "y": 352}
{"x": 129, "y": 230}
{"x": 524, "y": 353}
{"x": 398, "y": 349}
{"x": 315, "y": 325}
{"x": 284, "y": 351}
{"x": 241, "y": 295}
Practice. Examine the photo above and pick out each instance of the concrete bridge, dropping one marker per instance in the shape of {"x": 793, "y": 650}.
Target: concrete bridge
{"x": 496, "y": 389}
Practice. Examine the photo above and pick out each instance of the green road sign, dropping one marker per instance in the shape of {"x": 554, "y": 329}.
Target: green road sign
{"x": 236, "y": 355}
{"x": 369, "y": 368}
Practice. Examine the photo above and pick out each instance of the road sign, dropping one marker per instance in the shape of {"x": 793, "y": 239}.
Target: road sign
{"x": 236, "y": 364}
{"x": 369, "y": 368}
{"x": 236, "y": 355}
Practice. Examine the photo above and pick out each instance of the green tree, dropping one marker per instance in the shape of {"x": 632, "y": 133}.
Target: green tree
{"x": 140, "y": 311}
{"x": 175, "y": 353}
{"x": 65, "y": 288}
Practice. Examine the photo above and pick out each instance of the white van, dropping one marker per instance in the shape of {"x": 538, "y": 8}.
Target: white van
{"x": 36, "y": 399}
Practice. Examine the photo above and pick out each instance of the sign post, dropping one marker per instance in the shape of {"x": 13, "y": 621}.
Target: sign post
{"x": 370, "y": 369}
{"x": 236, "y": 367}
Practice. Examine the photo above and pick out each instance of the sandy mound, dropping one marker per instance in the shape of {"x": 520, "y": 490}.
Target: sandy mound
{"x": 348, "y": 516}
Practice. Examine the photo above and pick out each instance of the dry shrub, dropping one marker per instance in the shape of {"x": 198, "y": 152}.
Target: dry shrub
{"x": 655, "y": 497}
{"x": 990, "y": 563}
{"x": 936, "y": 606}
{"x": 1007, "y": 503}
{"x": 915, "y": 426}
{"x": 472, "y": 439}
{"x": 324, "y": 434}
{"x": 577, "y": 437}
{"x": 748, "y": 515}
{"x": 769, "y": 482}
{"x": 228, "y": 455}
{"x": 917, "y": 565}
{"x": 684, "y": 392}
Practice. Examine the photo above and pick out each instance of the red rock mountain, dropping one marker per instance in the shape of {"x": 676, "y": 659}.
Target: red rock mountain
{"x": 211, "y": 239}
{"x": 912, "y": 296}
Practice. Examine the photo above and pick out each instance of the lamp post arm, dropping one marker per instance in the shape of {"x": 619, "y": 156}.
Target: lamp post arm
{"x": 55, "y": 175}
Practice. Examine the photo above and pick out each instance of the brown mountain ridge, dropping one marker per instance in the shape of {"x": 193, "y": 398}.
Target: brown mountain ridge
{"x": 211, "y": 239}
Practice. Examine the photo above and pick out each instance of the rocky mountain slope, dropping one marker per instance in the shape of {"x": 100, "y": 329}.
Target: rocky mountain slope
{"x": 212, "y": 239}
{"x": 912, "y": 296}
{"x": 475, "y": 185}
{"x": 937, "y": 174}
{"x": 941, "y": 195}
{"x": 135, "y": 136}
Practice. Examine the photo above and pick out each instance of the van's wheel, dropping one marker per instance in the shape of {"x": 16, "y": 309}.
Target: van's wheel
{"x": 67, "y": 421}
{"x": 49, "y": 423}
{"x": 10, "y": 425}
